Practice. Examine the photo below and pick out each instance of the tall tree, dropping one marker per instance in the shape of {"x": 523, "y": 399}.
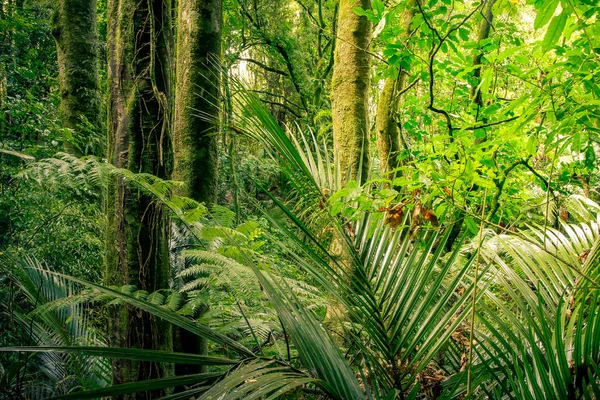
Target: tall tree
{"x": 139, "y": 42}
{"x": 386, "y": 128}
{"x": 74, "y": 29}
{"x": 197, "y": 91}
{"x": 4, "y": 59}
{"x": 350, "y": 90}
{"x": 195, "y": 137}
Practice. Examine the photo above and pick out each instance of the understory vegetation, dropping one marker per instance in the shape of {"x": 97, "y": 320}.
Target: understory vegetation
{"x": 299, "y": 199}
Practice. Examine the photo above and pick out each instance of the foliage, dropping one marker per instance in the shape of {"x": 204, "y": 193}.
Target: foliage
{"x": 471, "y": 271}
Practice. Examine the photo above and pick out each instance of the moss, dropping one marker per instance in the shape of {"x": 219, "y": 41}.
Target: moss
{"x": 74, "y": 29}
{"x": 385, "y": 127}
{"x": 388, "y": 134}
{"x": 195, "y": 138}
{"x": 139, "y": 100}
{"x": 350, "y": 91}
{"x": 197, "y": 88}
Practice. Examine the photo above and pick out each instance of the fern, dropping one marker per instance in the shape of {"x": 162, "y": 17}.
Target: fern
{"x": 58, "y": 317}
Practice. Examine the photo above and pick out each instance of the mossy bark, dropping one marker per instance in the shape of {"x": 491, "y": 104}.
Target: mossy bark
{"x": 139, "y": 55}
{"x": 198, "y": 81}
{"x": 194, "y": 136}
{"x": 74, "y": 30}
{"x": 350, "y": 91}
{"x": 386, "y": 128}
{"x": 4, "y": 58}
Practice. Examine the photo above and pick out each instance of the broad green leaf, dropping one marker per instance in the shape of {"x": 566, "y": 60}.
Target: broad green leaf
{"x": 555, "y": 30}
{"x": 545, "y": 13}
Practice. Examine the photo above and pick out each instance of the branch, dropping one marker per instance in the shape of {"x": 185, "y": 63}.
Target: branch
{"x": 276, "y": 44}
{"x": 288, "y": 108}
{"x": 472, "y": 128}
{"x": 432, "y": 55}
{"x": 264, "y": 66}
{"x": 310, "y": 14}
{"x": 406, "y": 89}
{"x": 500, "y": 186}
{"x": 276, "y": 95}
{"x": 541, "y": 178}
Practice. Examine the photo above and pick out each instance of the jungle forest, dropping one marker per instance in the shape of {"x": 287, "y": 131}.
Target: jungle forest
{"x": 300, "y": 199}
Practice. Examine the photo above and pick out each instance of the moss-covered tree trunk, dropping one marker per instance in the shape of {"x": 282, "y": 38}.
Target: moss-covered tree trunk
{"x": 74, "y": 29}
{"x": 194, "y": 136}
{"x": 139, "y": 62}
{"x": 4, "y": 59}
{"x": 195, "y": 139}
{"x": 350, "y": 91}
{"x": 387, "y": 130}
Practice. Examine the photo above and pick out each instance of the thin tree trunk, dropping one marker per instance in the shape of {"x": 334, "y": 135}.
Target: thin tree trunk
{"x": 350, "y": 91}
{"x": 484, "y": 33}
{"x": 195, "y": 138}
{"x": 139, "y": 54}
{"x": 74, "y": 29}
{"x": 388, "y": 134}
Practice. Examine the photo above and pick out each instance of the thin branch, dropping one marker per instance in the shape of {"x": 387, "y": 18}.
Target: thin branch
{"x": 288, "y": 108}
{"x": 406, "y": 89}
{"x": 472, "y": 128}
{"x": 500, "y": 185}
{"x": 276, "y": 95}
{"x": 264, "y": 66}
{"x": 435, "y": 49}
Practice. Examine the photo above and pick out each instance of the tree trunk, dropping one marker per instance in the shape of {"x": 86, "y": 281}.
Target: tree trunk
{"x": 74, "y": 29}
{"x": 139, "y": 54}
{"x": 350, "y": 92}
{"x": 484, "y": 33}
{"x": 195, "y": 138}
{"x": 388, "y": 134}
{"x": 198, "y": 80}
{"x": 4, "y": 59}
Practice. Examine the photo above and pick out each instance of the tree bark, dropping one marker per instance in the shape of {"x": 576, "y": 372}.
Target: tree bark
{"x": 386, "y": 128}
{"x": 198, "y": 81}
{"x": 350, "y": 92}
{"x": 194, "y": 136}
{"x": 139, "y": 54}
{"x": 74, "y": 29}
{"x": 4, "y": 59}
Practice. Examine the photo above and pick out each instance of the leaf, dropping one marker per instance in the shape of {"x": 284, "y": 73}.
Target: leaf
{"x": 555, "y": 30}
{"x": 359, "y": 11}
{"x": 127, "y": 354}
{"x": 378, "y": 7}
{"x": 142, "y": 386}
{"x": 165, "y": 314}
{"x": 545, "y": 13}
{"x": 472, "y": 225}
